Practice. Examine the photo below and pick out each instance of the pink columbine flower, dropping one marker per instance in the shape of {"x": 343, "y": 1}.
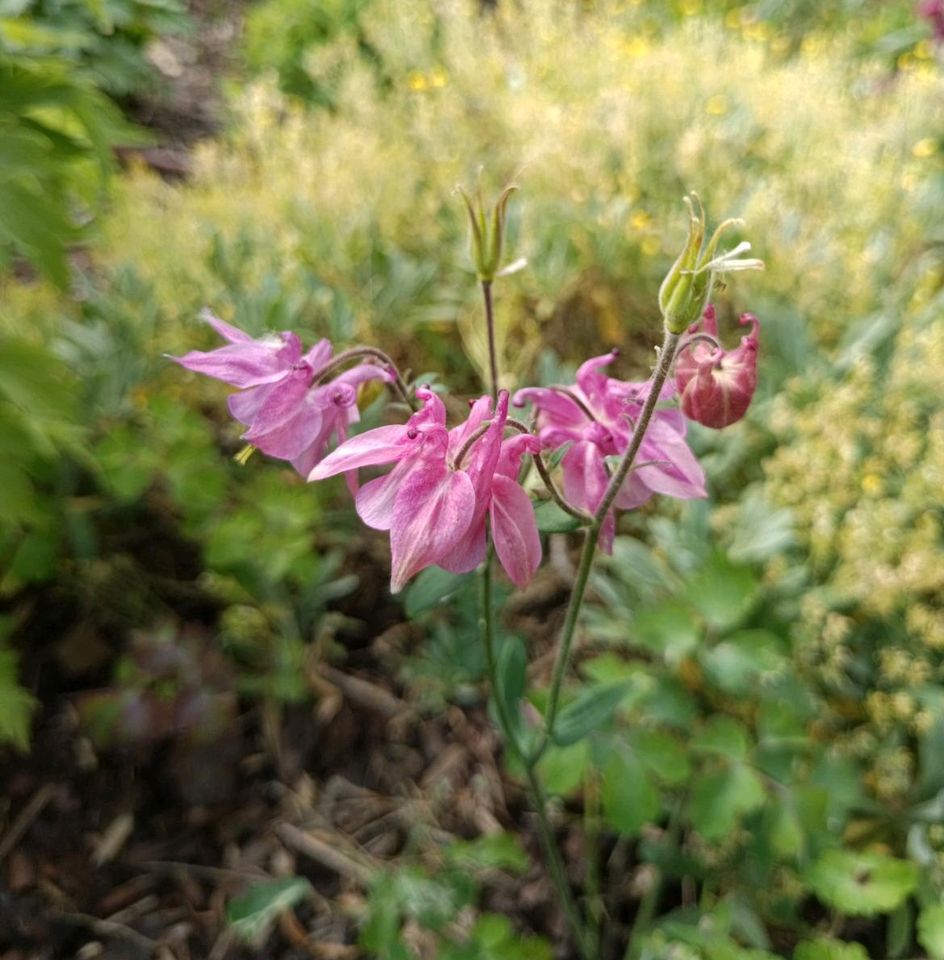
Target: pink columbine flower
{"x": 434, "y": 507}
{"x": 286, "y": 416}
{"x": 716, "y": 385}
{"x": 597, "y": 416}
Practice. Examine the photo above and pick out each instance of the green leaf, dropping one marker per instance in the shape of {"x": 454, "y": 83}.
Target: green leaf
{"x": 252, "y": 913}
{"x": 628, "y": 796}
{"x": 511, "y": 676}
{"x": 562, "y": 768}
{"x": 497, "y": 851}
{"x": 667, "y": 629}
{"x": 862, "y": 884}
{"x": 552, "y": 519}
{"x": 722, "y": 592}
{"x": 783, "y": 826}
{"x": 722, "y": 735}
{"x": 899, "y": 930}
{"x": 829, "y": 950}
{"x": 743, "y": 661}
{"x": 432, "y": 587}
{"x": 662, "y": 755}
{"x": 721, "y": 797}
{"x": 593, "y": 708}
{"x": 16, "y": 703}
{"x": 931, "y": 930}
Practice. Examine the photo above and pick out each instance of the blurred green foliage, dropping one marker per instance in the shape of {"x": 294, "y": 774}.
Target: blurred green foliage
{"x": 762, "y": 713}
{"x": 60, "y": 63}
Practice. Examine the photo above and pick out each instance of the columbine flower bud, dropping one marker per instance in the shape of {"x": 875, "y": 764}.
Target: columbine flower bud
{"x": 487, "y": 234}
{"x": 687, "y": 288}
{"x": 716, "y": 385}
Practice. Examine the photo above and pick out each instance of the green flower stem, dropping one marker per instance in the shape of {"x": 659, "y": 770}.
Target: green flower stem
{"x": 592, "y": 824}
{"x": 487, "y": 625}
{"x": 538, "y": 799}
{"x": 592, "y": 537}
{"x": 490, "y": 325}
{"x": 545, "y": 475}
{"x": 582, "y": 936}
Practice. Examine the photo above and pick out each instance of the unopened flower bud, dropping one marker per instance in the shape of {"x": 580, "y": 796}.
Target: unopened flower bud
{"x": 487, "y": 234}
{"x": 716, "y": 385}
{"x": 687, "y": 288}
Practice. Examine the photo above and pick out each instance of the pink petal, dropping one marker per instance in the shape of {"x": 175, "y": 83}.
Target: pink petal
{"x": 362, "y": 373}
{"x": 682, "y": 476}
{"x": 557, "y": 407}
{"x": 380, "y": 445}
{"x": 479, "y": 412}
{"x": 288, "y": 421}
{"x": 514, "y": 531}
{"x": 432, "y": 512}
{"x": 318, "y": 355}
{"x": 593, "y": 384}
{"x": 512, "y": 450}
{"x": 224, "y": 329}
{"x": 375, "y": 500}
{"x": 585, "y": 476}
{"x": 469, "y": 552}
{"x": 240, "y": 364}
{"x": 246, "y": 404}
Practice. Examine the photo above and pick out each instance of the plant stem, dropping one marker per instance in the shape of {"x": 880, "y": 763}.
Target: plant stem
{"x": 490, "y": 326}
{"x": 592, "y": 821}
{"x": 539, "y": 801}
{"x": 545, "y": 474}
{"x": 487, "y": 624}
{"x": 355, "y": 353}
{"x": 582, "y": 936}
{"x": 592, "y": 536}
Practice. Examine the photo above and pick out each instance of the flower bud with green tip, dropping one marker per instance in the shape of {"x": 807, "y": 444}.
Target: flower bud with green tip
{"x": 688, "y": 286}
{"x": 487, "y": 234}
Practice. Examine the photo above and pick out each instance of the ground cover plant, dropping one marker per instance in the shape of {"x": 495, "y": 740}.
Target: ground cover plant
{"x": 262, "y": 733}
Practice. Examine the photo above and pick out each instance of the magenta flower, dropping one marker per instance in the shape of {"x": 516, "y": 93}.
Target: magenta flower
{"x": 286, "y": 416}
{"x": 716, "y": 385}
{"x": 434, "y": 507}
{"x": 933, "y": 12}
{"x": 596, "y": 416}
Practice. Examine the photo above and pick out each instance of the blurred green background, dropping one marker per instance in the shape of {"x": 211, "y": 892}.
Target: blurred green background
{"x": 782, "y": 643}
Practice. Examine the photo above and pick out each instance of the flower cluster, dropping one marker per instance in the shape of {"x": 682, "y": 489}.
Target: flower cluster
{"x": 596, "y": 416}
{"x": 443, "y": 485}
{"x": 448, "y": 487}
{"x": 290, "y": 415}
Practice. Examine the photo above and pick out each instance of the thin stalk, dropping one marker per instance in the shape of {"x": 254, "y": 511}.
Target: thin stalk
{"x": 487, "y": 624}
{"x": 490, "y": 326}
{"x": 552, "y": 487}
{"x": 467, "y": 446}
{"x": 582, "y": 936}
{"x": 592, "y": 536}
{"x": 592, "y": 822}
{"x": 551, "y": 852}
{"x": 322, "y": 373}
{"x": 556, "y": 495}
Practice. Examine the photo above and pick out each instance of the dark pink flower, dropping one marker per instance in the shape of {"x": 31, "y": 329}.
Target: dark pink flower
{"x": 286, "y": 416}
{"x": 716, "y": 385}
{"x": 933, "y": 12}
{"x": 596, "y": 416}
{"x": 435, "y": 507}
